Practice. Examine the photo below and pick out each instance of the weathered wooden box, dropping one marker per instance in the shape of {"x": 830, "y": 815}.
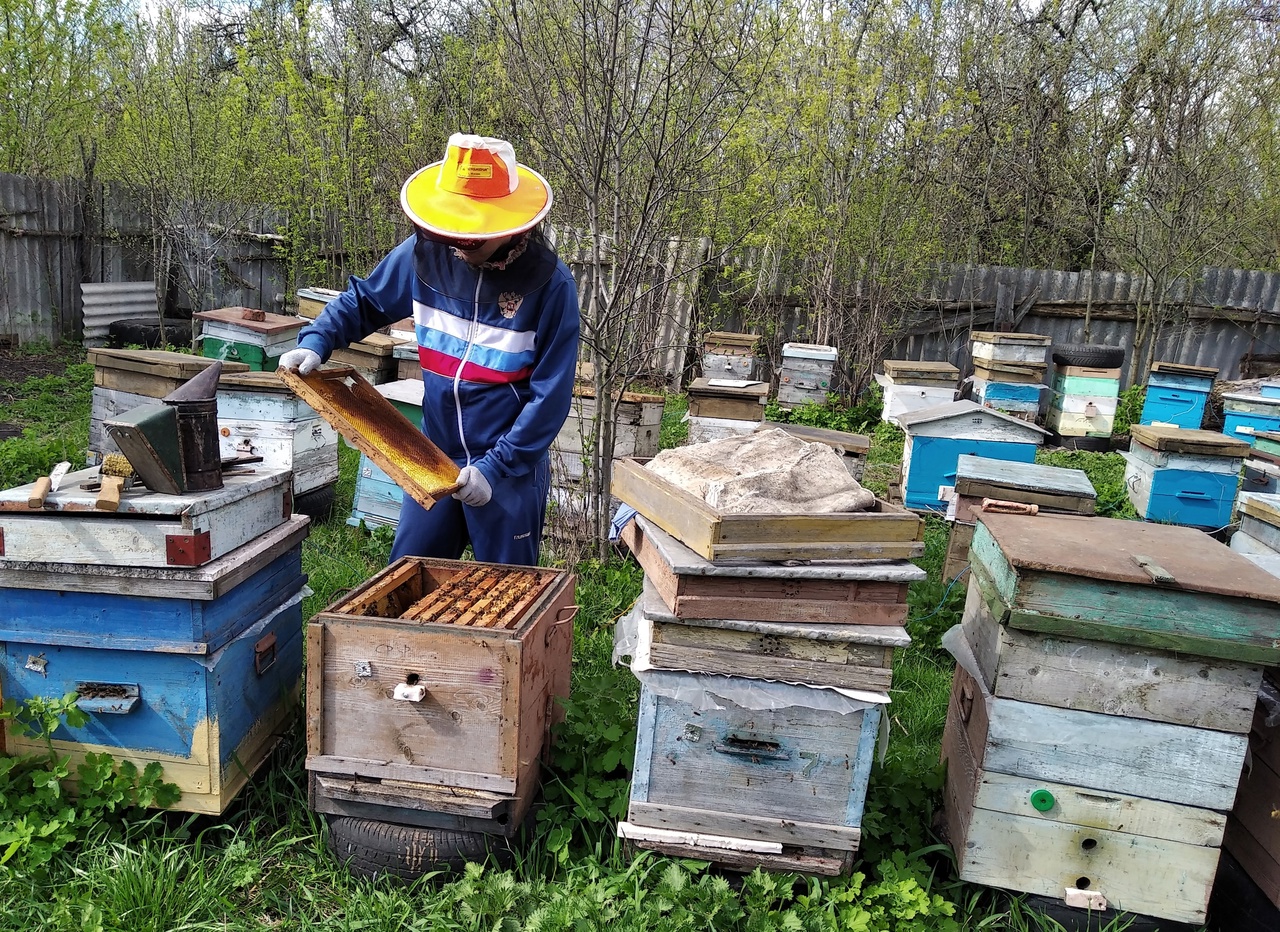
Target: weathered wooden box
{"x": 886, "y": 532}
{"x": 806, "y": 373}
{"x": 371, "y": 357}
{"x": 187, "y": 611}
{"x": 637, "y": 421}
{"x": 408, "y": 363}
{"x": 1043, "y": 800}
{"x": 149, "y": 529}
{"x": 1253, "y": 831}
{"x": 438, "y": 679}
{"x": 736, "y": 399}
{"x": 937, "y": 437}
{"x": 991, "y": 347}
{"x": 1126, "y": 582}
{"x": 712, "y": 760}
{"x": 707, "y": 429}
{"x": 729, "y": 355}
{"x": 844, "y": 656}
{"x": 693, "y": 587}
{"x": 311, "y": 301}
{"x": 209, "y": 720}
{"x": 1049, "y": 488}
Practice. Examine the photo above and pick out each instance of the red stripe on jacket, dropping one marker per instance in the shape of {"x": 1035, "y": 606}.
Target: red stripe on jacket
{"x": 446, "y": 365}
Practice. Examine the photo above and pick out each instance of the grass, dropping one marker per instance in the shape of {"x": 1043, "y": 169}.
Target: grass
{"x": 264, "y": 863}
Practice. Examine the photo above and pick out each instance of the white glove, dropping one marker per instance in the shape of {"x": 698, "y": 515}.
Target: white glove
{"x": 473, "y": 487}
{"x": 304, "y": 361}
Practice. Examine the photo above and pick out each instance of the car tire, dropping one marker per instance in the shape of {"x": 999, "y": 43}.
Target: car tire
{"x": 316, "y": 504}
{"x": 368, "y": 848}
{"x": 145, "y": 331}
{"x": 1093, "y": 355}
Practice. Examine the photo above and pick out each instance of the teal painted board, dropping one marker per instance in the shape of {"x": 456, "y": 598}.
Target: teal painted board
{"x": 204, "y": 718}
{"x": 999, "y": 393}
{"x": 1078, "y": 576}
{"x": 1084, "y": 385}
{"x": 790, "y": 764}
{"x": 933, "y": 463}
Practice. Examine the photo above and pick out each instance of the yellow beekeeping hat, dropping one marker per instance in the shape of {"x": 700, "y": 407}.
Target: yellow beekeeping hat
{"x": 476, "y": 191}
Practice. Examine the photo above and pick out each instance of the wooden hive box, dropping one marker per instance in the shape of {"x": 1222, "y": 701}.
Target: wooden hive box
{"x": 848, "y": 656}
{"x": 1177, "y": 394}
{"x": 311, "y": 301}
{"x": 209, "y": 719}
{"x": 1016, "y": 348}
{"x": 729, "y": 355}
{"x": 184, "y": 611}
{"x": 806, "y": 373}
{"x": 1025, "y": 372}
{"x": 258, "y": 415}
{"x": 784, "y": 782}
{"x": 853, "y": 448}
{"x": 707, "y": 429}
{"x": 408, "y": 363}
{"x": 231, "y": 333}
{"x": 149, "y": 529}
{"x": 1126, "y": 582}
{"x": 373, "y": 357}
{"x": 736, "y": 399}
{"x": 693, "y": 587}
{"x": 1022, "y": 398}
{"x": 637, "y": 426}
{"x": 490, "y": 648}
{"x": 1183, "y": 476}
{"x": 1045, "y": 800}
{"x": 1049, "y": 488}
{"x": 937, "y": 437}
{"x": 1245, "y": 415}
{"x": 885, "y": 532}
{"x": 1253, "y": 832}
{"x": 922, "y": 372}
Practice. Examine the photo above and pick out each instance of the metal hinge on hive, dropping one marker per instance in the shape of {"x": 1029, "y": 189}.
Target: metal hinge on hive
{"x": 187, "y": 549}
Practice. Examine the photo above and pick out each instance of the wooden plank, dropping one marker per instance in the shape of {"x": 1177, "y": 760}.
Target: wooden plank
{"x": 897, "y": 369}
{"x": 766, "y": 643}
{"x": 1174, "y": 763}
{"x": 315, "y": 689}
{"x": 156, "y": 362}
{"x": 1257, "y": 804}
{"x": 803, "y": 860}
{"x": 681, "y": 657}
{"x": 390, "y": 770}
{"x": 1182, "y": 440}
{"x": 373, "y": 425}
{"x": 271, "y": 325}
{"x": 1094, "y": 676}
{"x": 906, "y": 550}
{"x": 980, "y": 476}
{"x": 789, "y": 832}
{"x": 1179, "y": 368}
{"x": 797, "y": 610}
{"x": 738, "y": 409}
{"x": 856, "y": 444}
{"x": 1261, "y": 865}
{"x": 684, "y": 516}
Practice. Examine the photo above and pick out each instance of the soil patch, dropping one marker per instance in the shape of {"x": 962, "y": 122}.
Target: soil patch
{"x": 17, "y": 366}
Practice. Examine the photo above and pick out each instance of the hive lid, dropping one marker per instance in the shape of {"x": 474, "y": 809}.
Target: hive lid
{"x": 271, "y": 324}
{"x": 949, "y": 410}
{"x": 1034, "y": 477}
{"x": 1027, "y": 339}
{"x": 158, "y": 362}
{"x": 1184, "y": 440}
{"x": 372, "y": 425}
{"x": 730, "y": 388}
{"x": 267, "y": 381}
{"x": 1108, "y": 549}
{"x": 935, "y": 370}
{"x": 809, "y": 351}
{"x": 1178, "y": 368}
{"x": 857, "y": 444}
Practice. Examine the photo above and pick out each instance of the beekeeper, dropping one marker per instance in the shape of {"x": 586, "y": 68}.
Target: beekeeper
{"x": 496, "y": 318}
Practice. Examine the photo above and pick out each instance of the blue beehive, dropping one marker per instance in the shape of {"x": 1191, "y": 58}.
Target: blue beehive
{"x": 1182, "y": 476}
{"x": 938, "y": 436}
{"x": 378, "y": 499}
{"x": 1010, "y": 397}
{"x": 1177, "y": 395}
{"x": 1244, "y": 415}
{"x": 194, "y": 663}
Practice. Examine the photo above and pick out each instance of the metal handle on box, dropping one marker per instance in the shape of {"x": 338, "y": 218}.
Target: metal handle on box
{"x": 560, "y": 620}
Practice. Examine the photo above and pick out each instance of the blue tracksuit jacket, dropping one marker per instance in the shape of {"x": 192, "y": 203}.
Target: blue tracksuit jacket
{"x": 498, "y": 348}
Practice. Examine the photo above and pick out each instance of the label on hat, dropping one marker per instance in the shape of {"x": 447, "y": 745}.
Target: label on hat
{"x": 473, "y": 170}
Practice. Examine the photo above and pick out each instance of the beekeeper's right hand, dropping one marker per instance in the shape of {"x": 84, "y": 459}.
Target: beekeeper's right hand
{"x": 303, "y": 361}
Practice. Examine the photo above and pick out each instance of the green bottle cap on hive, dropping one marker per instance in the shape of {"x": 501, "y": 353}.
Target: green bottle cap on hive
{"x": 1042, "y": 800}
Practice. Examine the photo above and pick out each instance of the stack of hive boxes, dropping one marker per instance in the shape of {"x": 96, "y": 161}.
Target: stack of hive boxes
{"x": 806, "y": 374}
{"x": 763, "y": 685}
{"x": 1050, "y": 489}
{"x": 1082, "y": 409}
{"x": 1008, "y": 371}
{"x": 1107, "y": 678}
{"x": 176, "y": 620}
{"x": 1183, "y": 476}
{"x": 1177, "y": 394}
{"x": 1258, "y": 538}
{"x": 1262, "y": 464}
{"x": 720, "y": 407}
{"x": 910, "y": 386}
{"x": 1244, "y": 415}
{"x": 373, "y": 357}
